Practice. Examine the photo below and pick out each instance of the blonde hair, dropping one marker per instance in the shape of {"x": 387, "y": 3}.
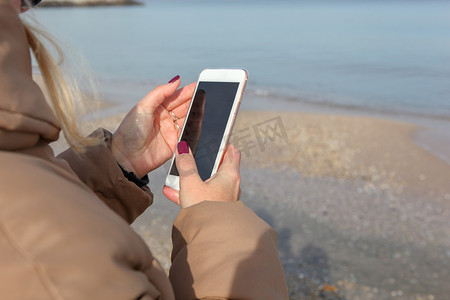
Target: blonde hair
{"x": 64, "y": 95}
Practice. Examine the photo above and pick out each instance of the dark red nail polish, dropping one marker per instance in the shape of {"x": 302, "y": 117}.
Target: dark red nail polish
{"x": 183, "y": 147}
{"x": 174, "y": 79}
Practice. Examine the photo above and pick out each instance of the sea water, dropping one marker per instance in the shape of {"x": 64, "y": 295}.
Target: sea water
{"x": 387, "y": 56}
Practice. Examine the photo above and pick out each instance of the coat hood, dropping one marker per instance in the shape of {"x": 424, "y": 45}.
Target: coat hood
{"x": 25, "y": 116}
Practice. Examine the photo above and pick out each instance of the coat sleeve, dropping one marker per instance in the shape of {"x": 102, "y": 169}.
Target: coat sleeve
{"x": 225, "y": 251}
{"x": 98, "y": 169}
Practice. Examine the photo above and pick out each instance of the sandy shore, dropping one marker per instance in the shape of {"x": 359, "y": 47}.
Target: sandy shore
{"x": 377, "y": 151}
{"x": 357, "y": 205}
{"x": 362, "y": 211}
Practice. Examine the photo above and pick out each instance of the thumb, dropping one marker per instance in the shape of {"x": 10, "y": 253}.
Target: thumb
{"x": 185, "y": 162}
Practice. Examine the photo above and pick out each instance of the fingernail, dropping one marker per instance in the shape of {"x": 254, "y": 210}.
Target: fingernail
{"x": 183, "y": 147}
{"x": 174, "y": 79}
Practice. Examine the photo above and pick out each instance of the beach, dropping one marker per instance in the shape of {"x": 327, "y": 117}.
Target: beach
{"x": 361, "y": 210}
{"x": 344, "y": 127}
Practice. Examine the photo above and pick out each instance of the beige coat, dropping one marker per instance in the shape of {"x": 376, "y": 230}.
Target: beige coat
{"x": 64, "y": 222}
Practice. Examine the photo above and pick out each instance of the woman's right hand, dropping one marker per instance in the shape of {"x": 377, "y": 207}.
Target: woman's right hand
{"x": 224, "y": 186}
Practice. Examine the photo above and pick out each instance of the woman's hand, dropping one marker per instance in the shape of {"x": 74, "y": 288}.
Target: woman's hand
{"x": 224, "y": 186}
{"x": 147, "y": 136}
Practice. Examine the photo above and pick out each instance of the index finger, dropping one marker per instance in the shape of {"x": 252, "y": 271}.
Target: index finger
{"x": 179, "y": 101}
{"x": 157, "y": 96}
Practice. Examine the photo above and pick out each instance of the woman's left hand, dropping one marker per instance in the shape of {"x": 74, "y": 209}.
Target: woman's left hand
{"x": 147, "y": 136}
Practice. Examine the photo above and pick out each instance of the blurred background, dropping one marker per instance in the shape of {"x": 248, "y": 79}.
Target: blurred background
{"x": 354, "y": 170}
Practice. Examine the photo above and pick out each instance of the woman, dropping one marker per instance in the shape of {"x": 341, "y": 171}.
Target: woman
{"x": 64, "y": 221}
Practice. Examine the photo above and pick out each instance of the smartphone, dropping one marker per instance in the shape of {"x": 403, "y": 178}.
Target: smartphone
{"x": 210, "y": 120}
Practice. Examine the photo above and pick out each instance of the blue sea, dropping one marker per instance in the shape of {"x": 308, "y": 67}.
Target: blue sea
{"x": 384, "y": 56}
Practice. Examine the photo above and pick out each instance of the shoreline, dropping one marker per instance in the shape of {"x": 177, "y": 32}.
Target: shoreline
{"x": 428, "y": 134}
{"x": 433, "y": 133}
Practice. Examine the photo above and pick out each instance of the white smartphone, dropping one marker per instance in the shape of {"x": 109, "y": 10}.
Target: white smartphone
{"x": 210, "y": 120}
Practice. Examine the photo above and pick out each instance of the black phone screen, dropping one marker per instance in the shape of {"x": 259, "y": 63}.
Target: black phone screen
{"x": 205, "y": 125}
